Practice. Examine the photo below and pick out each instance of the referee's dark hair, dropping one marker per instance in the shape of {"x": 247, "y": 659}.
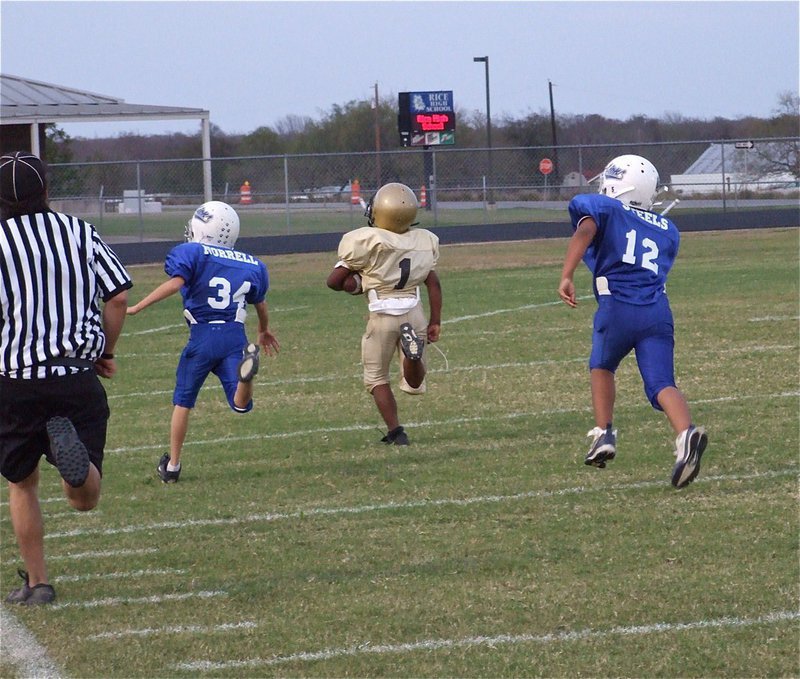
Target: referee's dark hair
{"x": 23, "y": 184}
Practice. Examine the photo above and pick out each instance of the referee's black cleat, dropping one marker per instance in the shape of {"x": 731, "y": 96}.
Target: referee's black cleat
{"x": 71, "y": 456}
{"x": 31, "y": 596}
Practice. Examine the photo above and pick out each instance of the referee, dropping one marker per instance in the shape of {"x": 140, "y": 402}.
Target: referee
{"x": 63, "y": 297}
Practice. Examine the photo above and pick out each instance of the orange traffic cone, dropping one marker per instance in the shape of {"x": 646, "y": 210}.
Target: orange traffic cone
{"x": 245, "y": 195}
{"x": 355, "y": 192}
{"x": 423, "y": 197}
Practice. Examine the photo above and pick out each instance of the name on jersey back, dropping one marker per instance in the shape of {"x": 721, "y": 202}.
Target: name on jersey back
{"x": 649, "y": 217}
{"x": 229, "y": 254}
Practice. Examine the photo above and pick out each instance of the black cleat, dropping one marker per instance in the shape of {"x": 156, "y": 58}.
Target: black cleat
{"x": 72, "y": 458}
{"x": 166, "y": 475}
{"x": 397, "y": 437}
{"x": 410, "y": 343}
{"x": 248, "y": 368}
{"x": 31, "y": 596}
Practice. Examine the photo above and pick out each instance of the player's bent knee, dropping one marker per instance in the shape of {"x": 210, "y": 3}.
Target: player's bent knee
{"x": 653, "y": 392}
{"x": 242, "y": 411}
{"x": 371, "y": 386}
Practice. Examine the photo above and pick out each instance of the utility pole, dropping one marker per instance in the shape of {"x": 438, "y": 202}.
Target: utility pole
{"x": 485, "y": 61}
{"x": 556, "y": 168}
{"x": 375, "y": 106}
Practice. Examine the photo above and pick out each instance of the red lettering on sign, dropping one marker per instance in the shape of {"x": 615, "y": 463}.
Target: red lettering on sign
{"x": 432, "y": 123}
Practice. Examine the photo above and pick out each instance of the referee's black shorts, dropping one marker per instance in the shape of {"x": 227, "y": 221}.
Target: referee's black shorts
{"x": 25, "y": 407}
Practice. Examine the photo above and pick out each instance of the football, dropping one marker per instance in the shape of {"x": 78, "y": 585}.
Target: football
{"x": 352, "y": 284}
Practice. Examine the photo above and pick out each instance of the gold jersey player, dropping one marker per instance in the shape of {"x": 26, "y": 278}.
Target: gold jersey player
{"x": 387, "y": 262}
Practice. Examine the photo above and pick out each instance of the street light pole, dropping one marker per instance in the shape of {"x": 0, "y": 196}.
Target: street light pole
{"x": 376, "y": 106}
{"x": 556, "y": 168}
{"x": 485, "y": 60}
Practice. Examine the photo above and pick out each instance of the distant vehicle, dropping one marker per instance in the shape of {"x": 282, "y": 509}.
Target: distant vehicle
{"x": 327, "y": 194}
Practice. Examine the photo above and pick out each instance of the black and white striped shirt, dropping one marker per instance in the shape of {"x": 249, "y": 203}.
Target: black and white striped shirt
{"x": 54, "y": 270}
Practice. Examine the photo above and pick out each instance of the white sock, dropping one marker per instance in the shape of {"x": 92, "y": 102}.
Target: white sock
{"x": 173, "y": 467}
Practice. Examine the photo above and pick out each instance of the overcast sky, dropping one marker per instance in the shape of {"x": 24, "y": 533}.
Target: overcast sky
{"x": 254, "y": 63}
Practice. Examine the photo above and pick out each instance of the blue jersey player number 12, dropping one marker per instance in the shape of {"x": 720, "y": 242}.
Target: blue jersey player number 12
{"x": 630, "y": 250}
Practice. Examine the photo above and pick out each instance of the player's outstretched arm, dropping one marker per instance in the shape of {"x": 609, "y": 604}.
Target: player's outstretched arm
{"x": 163, "y": 291}
{"x": 580, "y": 241}
{"x": 435, "y": 301}
{"x": 266, "y": 339}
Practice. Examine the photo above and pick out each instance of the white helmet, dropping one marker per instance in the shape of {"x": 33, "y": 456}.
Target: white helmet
{"x": 632, "y": 180}
{"x": 214, "y": 223}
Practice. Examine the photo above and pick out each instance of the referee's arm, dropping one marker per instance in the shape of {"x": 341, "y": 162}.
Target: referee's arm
{"x": 114, "y": 314}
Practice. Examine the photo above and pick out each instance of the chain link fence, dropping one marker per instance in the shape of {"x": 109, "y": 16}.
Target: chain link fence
{"x": 319, "y": 193}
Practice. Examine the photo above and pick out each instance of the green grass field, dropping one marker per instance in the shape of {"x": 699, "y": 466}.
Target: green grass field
{"x": 296, "y": 545}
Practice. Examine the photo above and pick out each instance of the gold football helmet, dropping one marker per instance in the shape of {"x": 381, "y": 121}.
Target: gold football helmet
{"x": 393, "y": 207}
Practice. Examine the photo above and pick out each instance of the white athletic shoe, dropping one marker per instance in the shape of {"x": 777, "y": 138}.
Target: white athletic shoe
{"x": 689, "y": 449}
{"x": 603, "y": 448}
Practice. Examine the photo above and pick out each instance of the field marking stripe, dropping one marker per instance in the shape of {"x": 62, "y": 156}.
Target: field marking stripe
{"x": 22, "y": 650}
{"x": 427, "y": 423}
{"x": 495, "y": 312}
{"x": 99, "y": 555}
{"x": 413, "y": 504}
{"x": 118, "y": 601}
{"x": 506, "y": 639}
{"x": 773, "y": 318}
{"x": 177, "y": 326}
{"x": 437, "y": 371}
{"x": 175, "y": 629}
{"x": 120, "y": 574}
{"x": 149, "y": 331}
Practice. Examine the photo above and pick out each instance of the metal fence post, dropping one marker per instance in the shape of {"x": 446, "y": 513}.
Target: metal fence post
{"x": 101, "y": 206}
{"x": 434, "y": 181}
{"x": 139, "y": 199}
{"x": 286, "y": 192}
{"x": 724, "y": 192}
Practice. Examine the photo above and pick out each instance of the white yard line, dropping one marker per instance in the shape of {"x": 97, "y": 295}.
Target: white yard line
{"x": 115, "y": 553}
{"x": 118, "y": 575}
{"x": 495, "y": 312}
{"x": 368, "y": 648}
{"x": 773, "y": 318}
{"x": 434, "y": 371}
{"x": 127, "y": 601}
{"x": 313, "y": 512}
{"x": 175, "y": 629}
{"x": 150, "y": 331}
{"x": 21, "y": 649}
{"x": 428, "y": 423}
{"x": 184, "y": 326}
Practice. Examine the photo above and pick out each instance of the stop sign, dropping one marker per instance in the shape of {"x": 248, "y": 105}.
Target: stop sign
{"x": 545, "y": 166}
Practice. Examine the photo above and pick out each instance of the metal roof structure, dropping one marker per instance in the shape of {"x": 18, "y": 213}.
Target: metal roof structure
{"x": 30, "y": 102}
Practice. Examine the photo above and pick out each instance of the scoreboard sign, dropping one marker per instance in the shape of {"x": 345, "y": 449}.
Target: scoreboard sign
{"x": 426, "y": 118}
